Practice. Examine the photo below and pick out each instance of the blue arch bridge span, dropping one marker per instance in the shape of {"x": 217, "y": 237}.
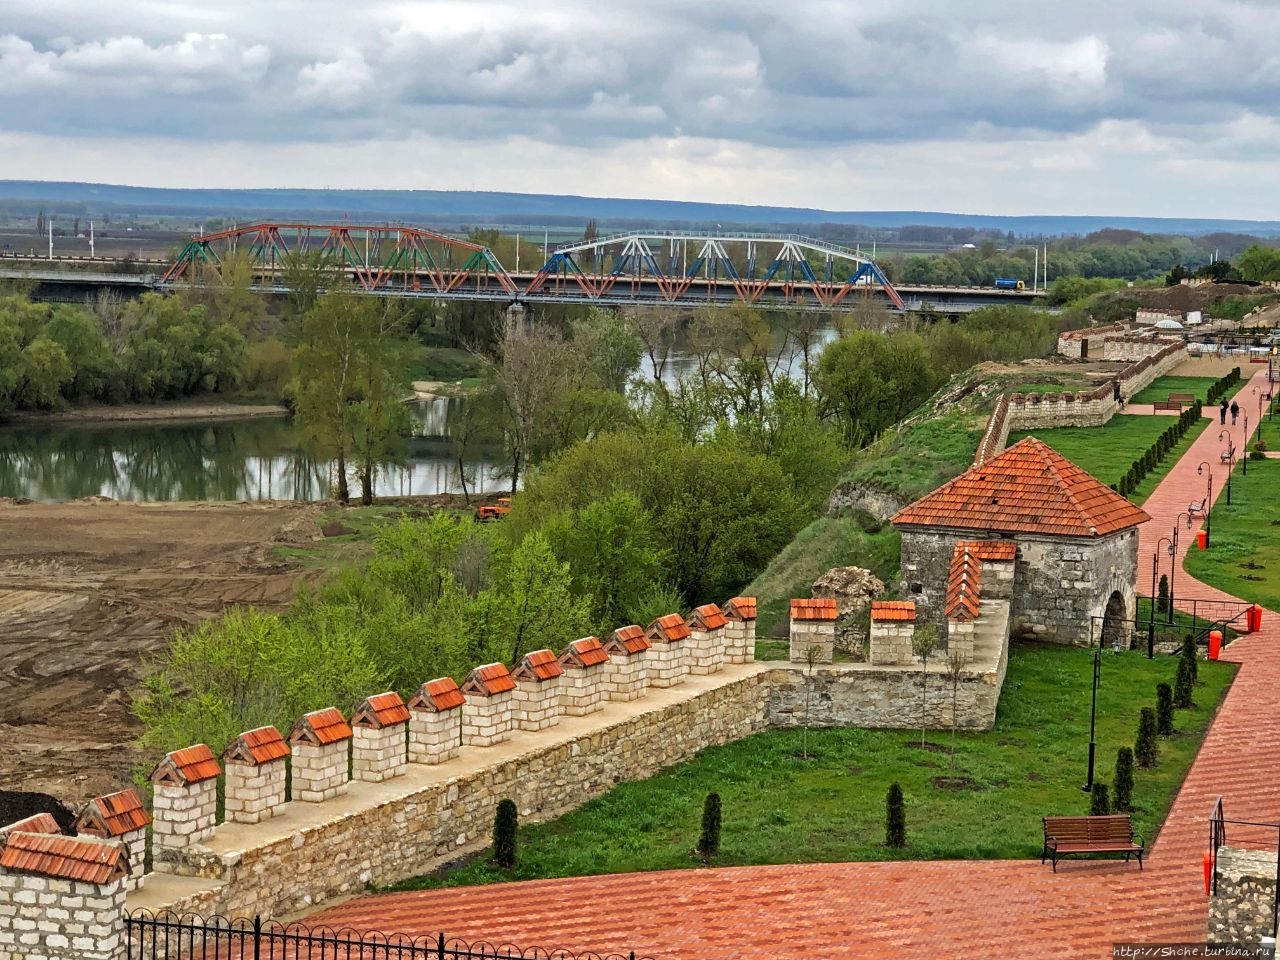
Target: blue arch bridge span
{"x": 632, "y": 269}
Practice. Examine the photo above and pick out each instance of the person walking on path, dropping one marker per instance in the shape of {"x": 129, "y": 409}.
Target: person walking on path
{"x": 1222, "y": 412}
{"x": 1235, "y": 412}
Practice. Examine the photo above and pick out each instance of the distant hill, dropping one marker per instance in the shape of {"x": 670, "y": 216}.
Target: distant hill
{"x": 477, "y": 207}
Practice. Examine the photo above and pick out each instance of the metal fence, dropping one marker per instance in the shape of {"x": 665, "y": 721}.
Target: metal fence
{"x": 169, "y": 936}
{"x": 1246, "y": 835}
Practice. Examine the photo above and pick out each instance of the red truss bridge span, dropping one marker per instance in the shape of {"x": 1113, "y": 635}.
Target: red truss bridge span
{"x": 680, "y": 269}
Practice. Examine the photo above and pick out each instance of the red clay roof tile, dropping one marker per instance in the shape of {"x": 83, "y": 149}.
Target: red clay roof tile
{"x": 438, "y": 696}
{"x": 66, "y": 858}
{"x": 741, "y": 608}
{"x": 186, "y": 766}
{"x": 36, "y": 823}
{"x": 488, "y": 680}
{"x": 321, "y": 728}
{"x": 901, "y": 610}
{"x": 1029, "y": 488}
{"x": 707, "y": 617}
{"x": 113, "y": 815}
{"x": 668, "y": 629}
{"x": 819, "y": 608}
{"x": 964, "y": 583}
{"x": 256, "y": 747}
{"x": 538, "y": 666}
{"x": 627, "y": 641}
{"x": 586, "y": 652}
{"x": 380, "y": 710}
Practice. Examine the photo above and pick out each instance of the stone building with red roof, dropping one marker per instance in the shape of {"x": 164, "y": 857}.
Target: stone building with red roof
{"x": 1073, "y": 541}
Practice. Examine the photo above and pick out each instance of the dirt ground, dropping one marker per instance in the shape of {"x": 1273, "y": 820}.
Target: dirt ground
{"x": 87, "y": 589}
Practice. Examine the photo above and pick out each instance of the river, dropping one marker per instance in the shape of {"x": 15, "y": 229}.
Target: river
{"x": 248, "y": 459}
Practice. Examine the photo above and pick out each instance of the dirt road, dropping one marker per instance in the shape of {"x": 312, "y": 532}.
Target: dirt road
{"x": 86, "y": 590}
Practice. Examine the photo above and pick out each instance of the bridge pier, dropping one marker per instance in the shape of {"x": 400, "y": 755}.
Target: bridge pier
{"x": 517, "y": 317}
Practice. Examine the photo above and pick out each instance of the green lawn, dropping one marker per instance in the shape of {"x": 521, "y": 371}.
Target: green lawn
{"x": 1108, "y": 451}
{"x": 779, "y": 808}
{"x": 1244, "y": 544}
{"x": 349, "y": 533}
{"x": 825, "y": 543}
{"x": 1163, "y": 386}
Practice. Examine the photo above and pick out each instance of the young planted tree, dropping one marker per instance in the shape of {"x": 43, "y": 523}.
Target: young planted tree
{"x": 1124, "y": 780}
{"x": 1191, "y": 655}
{"x": 956, "y": 662}
{"x": 812, "y": 656}
{"x": 709, "y": 838}
{"x": 1145, "y": 749}
{"x": 505, "y": 821}
{"x": 1164, "y": 709}
{"x": 1162, "y": 595}
{"x": 1182, "y": 685}
{"x": 923, "y": 642}
{"x": 895, "y": 824}
{"x": 1099, "y": 800}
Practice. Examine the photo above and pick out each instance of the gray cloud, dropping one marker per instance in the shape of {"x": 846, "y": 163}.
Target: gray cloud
{"x": 703, "y": 83}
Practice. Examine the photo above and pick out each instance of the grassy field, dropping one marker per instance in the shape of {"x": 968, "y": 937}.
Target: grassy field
{"x": 446, "y": 364}
{"x": 1163, "y": 386}
{"x": 1107, "y": 451}
{"x": 825, "y": 543}
{"x": 984, "y": 801}
{"x": 1244, "y": 545}
{"x": 922, "y": 457}
{"x": 349, "y": 532}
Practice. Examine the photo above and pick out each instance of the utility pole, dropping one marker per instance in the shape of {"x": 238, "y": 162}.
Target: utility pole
{"x": 51, "y": 238}
{"x": 91, "y": 253}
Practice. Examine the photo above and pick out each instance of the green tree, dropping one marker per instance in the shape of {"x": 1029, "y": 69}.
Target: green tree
{"x": 1145, "y": 748}
{"x": 869, "y": 381}
{"x": 1099, "y": 800}
{"x": 1124, "y": 780}
{"x": 895, "y": 829}
{"x": 43, "y": 370}
{"x": 534, "y": 603}
{"x": 1164, "y": 709}
{"x": 709, "y": 838}
{"x": 1259, "y": 263}
{"x": 95, "y": 369}
{"x": 505, "y": 821}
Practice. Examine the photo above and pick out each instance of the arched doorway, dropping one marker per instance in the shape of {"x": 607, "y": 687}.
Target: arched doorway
{"x": 1116, "y": 629}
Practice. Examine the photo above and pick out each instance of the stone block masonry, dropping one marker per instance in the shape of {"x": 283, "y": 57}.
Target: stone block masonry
{"x": 184, "y": 803}
{"x": 740, "y": 630}
{"x": 487, "y": 718}
{"x": 627, "y": 677}
{"x": 706, "y": 639}
{"x": 255, "y": 785}
{"x": 586, "y": 667}
{"x": 1240, "y": 909}
{"x": 668, "y": 660}
{"x": 321, "y": 743}
{"x": 813, "y": 630}
{"x": 379, "y": 732}
{"x": 62, "y": 898}
{"x": 537, "y": 698}
{"x": 893, "y": 624}
{"x": 435, "y": 721}
{"x": 122, "y": 817}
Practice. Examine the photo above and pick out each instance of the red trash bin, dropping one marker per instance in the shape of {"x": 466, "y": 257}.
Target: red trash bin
{"x": 1215, "y": 644}
{"x": 1202, "y": 539}
{"x": 1255, "y": 618}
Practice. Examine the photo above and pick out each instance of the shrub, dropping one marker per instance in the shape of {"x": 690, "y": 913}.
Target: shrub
{"x": 1099, "y": 800}
{"x": 1164, "y": 709}
{"x": 1191, "y": 654}
{"x": 709, "y": 839}
{"x": 895, "y": 824}
{"x": 1162, "y": 595}
{"x": 1182, "y": 685}
{"x": 1145, "y": 749}
{"x": 1124, "y": 780}
{"x": 504, "y": 834}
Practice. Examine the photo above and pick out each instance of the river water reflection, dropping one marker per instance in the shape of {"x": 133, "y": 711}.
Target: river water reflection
{"x": 257, "y": 459}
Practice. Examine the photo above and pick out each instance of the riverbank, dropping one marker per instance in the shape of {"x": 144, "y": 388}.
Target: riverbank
{"x": 129, "y": 413}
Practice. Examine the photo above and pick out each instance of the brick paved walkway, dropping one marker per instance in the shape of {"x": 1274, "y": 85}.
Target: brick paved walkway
{"x": 948, "y": 909}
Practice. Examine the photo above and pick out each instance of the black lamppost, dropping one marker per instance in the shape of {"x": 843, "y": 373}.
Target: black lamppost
{"x": 1261, "y": 396}
{"x": 1230, "y": 458}
{"x": 1155, "y": 568}
{"x": 1208, "y": 497}
{"x": 1244, "y": 461}
{"x": 1093, "y": 713}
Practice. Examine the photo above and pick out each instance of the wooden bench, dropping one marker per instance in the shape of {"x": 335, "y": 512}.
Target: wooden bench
{"x": 1109, "y": 834}
{"x": 1166, "y": 406}
{"x": 1196, "y": 507}
{"x": 1182, "y": 398}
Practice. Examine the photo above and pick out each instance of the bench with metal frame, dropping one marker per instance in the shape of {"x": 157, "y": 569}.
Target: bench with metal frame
{"x": 1112, "y": 833}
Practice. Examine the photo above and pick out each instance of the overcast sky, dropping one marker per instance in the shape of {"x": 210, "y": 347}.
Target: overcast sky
{"x": 1161, "y": 108}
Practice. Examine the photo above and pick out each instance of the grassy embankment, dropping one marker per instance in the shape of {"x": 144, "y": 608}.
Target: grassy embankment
{"x": 985, "y": 801}
{"x": 904, "y": 464}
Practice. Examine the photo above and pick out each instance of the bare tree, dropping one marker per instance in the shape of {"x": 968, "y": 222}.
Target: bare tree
{"x": 923, "y": 642}
{"x": 812, "y": 656}
{"x": 655, "y": 327}
{"x": 535, "y": 372}
{"x": 957, "y": 660}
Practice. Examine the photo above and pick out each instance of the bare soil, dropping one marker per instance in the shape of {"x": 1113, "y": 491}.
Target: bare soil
{"x": 87, "y": 590}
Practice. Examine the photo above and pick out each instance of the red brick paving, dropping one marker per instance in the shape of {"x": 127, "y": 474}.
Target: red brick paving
{"x": 945, "y": 909}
